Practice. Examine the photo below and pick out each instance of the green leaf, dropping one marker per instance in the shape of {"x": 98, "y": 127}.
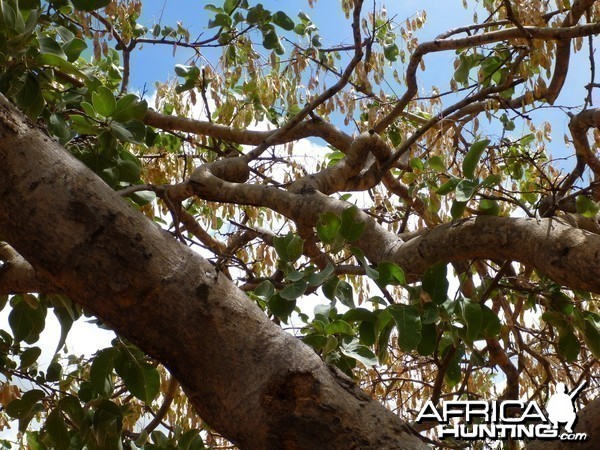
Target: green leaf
{"x": 289, "y": 247}
{"x": 141, "y": 378}
{"x": 294, "y": 290}
{"x": 435, "y": 283}
{"x": 21, "y": 321}
{"x": 280, "y": 307}
{"x": 352, "y": 348}
{"x": 473, "y": 318}
{"x": 48, "y": 59}
{"x": 23, "y": 407}
{"x": 57, "y": 429}
{"x": 359, "y": 315}
{"x": 448, "y": 186}
{"x": 436, "y": 163}
{"x": 391, "y": 52}
{"x": 328, "y": 227}
{"x": 316, "y": 341}
{"x": 101, "y": 371}
{"x": 317, "y": 279}
{"x": 339, "y": 327}
{"x": 488, "y": 207}
{"x": 390, "y": 274}
{"x": 128, "y": 171}
{"x": 71, "y": 407}
{"x": 586, "y": 207}
{"x": 344, "y": 294}
{"x": 465, "y": 189}
{"x": 457, "y": 209}
{"x": 104, "y": 101}
{"x": 221, "y": 20}
{"x": 73, "y": 48}
{"x": 49, "y": 45}
{"x": 360, "y": 256}
{"x": 568, "y": 346}
{"x": 54, "y": 372}
{"x": 264, "y": 290}
{"x": 428, "y": 340}
{"x": 472, "y": 157}
{"x": 408, "y": 324}
{"x": 591, "y": 337}
{"x": 29, "y": 357}
{"x": 491, "y": 323}
{"x": 351, "y": 229}
{"x": 130, "y": 107}
{"x": 89, "y": 5}
{"x": 282, "y": 20}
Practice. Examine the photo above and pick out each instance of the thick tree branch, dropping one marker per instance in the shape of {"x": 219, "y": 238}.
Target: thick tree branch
{"x": 17, "y": 276}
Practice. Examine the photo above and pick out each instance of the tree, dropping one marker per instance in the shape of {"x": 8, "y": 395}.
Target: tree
{"x": 473, "y": 251}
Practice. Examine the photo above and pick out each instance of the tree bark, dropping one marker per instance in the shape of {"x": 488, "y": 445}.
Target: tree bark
{"x": 254, "y": 383}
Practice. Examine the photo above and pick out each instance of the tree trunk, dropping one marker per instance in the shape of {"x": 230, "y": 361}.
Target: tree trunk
{"x": 254, "y": 383}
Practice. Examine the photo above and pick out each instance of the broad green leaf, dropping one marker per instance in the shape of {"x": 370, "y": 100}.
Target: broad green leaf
{"x": 428, "y": 340}
{"x": 457, "y": 209}
{"x": 488, "y": 207}
{"x": 288, "y": 247}
{"x": 391, "y": 52}
{"x": 586, "y": 207}
{"x": 264, "y": 290}
{"x": 390, "y": 274}
{"x": 316, "y": 341}
{"x": 128, "y": 171}
{"x": 71, "y": 407}
{"x": 592, "y": 338}
{"x": 448, "y": 186}
{"x": 453, "y": 373}
{"x": 73, "y": 48}
{"x": 281, "y": 307}
{"x": 436, "y": 163}
{"x": 130, "y": 107}
{"x": 317, "y": 279}
{"x": 101, "y": 371}
{"x": 49, "y": 45}
{"x": 49, "y": 59}
{"x": 491, "y": 323}
{"x": 23, "y": 407}
{"x": 350, "y": 228}
{"x": 57, "y": 429}
{"x": 328, "y": 227}
{"x": 465, "y": 189}
{"x": 294, "y": 290}
{"x": 352, "y": 348}
{"x": 29, "y": 357}
{"x": 344, "y": 294}
{"x": 339, "y": 327}
{"x": 54, "y": 372}
{"x": 568, "y": 345}
{"x": 104, "y": 101}
{"x": 435, "y": 283}
{"x": 282, "y": 20}
{"x": 408, "y": 324}
{"x": 360, "y": 256}
{"x": 141, "y": 379}
{"x": 119, "y": 131}
{"x": 473, "y": 156}
{"x": 21, "y": 321}
{"x": 473, "y": 318}
{"x": 359, "y": 315}
{"x": 366, "y": 332}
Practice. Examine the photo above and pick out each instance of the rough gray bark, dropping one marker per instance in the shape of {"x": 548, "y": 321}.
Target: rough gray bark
{"x": 254, "y": 383}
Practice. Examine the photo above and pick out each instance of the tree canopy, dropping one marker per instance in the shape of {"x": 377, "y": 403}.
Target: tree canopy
{"x": 293, "y": 215}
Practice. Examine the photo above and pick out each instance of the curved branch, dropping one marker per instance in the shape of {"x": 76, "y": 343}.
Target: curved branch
{"x": 317, "y": 128}
{"x": 17, "y": 276}
{"x": 563, "y": 34}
